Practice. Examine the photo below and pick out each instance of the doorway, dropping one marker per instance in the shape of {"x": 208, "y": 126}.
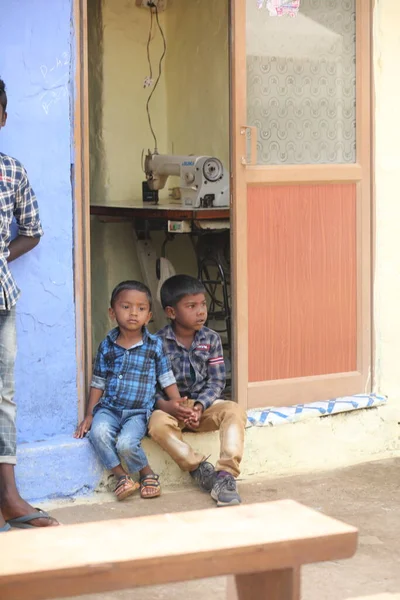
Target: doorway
{"x": 158, "y": 79}
{"x": 299, "y": 155}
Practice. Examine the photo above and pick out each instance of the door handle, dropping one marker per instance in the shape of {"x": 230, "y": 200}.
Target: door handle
{"x": 253, "y": 144}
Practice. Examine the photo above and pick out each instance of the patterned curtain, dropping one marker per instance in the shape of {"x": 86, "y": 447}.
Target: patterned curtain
{"x": 301, "y": 83}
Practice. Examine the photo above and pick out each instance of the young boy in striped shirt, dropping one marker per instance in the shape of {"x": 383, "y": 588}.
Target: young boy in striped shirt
{"x": 197, "y": 361}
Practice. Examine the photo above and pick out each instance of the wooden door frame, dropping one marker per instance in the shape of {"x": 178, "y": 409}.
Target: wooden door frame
{"x": 81, "y": 195}
{"x": 254, "y": 395}
{"x": 240, "y": 318}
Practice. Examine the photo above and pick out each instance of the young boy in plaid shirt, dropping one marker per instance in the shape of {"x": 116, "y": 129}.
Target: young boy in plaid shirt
{"x": 198, "y": 365}
{"x": 129, "y": 363}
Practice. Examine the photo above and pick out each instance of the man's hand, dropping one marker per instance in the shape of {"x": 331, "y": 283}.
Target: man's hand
{"x": 84, "y": 427}
{"x": 193, "y": 422}
{"x": 176, "y": 408}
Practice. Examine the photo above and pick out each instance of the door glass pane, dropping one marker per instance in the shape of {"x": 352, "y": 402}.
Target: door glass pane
{"x": 301, "y": 83}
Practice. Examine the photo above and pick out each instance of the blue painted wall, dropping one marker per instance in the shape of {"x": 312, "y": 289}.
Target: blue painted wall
{"x": 35, "y": 62}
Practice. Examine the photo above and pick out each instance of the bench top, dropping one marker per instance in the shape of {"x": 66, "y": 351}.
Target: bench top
{"x": 111, "y": 555}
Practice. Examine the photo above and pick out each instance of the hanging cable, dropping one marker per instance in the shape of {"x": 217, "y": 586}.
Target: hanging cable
{"x": 149, "y": 80}
{"x": 153, "y": 6}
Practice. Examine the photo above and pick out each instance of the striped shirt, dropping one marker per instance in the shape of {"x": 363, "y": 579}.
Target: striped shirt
{"x": 128, "y": 378}
{"x": 17, "y": 200}
{"x": 200, "y": 371}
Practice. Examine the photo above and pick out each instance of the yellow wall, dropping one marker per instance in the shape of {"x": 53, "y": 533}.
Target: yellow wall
{"x": 125, "y": 128}
{"x": 190, "y": 108}
{"x": 96, "y": 52}
{"x": 197, "y": 78}
{"x": 117, "y": 263}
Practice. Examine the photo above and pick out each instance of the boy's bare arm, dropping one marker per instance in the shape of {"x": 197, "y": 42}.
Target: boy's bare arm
{"x": 94, "y": 398}
{"x": 172, "y": 392}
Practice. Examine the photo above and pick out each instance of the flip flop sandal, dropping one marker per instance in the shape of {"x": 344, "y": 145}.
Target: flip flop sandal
{"x": 150, "y": 482}
{"x": 125, "y": 487}
{"x": 24, "y": 522}
{"x": 5, "y": 528}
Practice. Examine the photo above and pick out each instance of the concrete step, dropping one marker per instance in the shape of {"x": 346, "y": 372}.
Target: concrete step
{"x": 62, "y": 467}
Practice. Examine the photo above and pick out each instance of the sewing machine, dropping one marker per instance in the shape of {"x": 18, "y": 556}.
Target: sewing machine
{"x": 204, "y": 182}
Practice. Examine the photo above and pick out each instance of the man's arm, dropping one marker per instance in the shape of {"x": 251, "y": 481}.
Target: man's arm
{"x": 21, "y": 245}
{"x": 26, "y": 213}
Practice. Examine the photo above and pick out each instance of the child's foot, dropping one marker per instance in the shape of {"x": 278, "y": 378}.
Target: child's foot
{"x": 125, "y": 487}
{"x": 203, "y": 476}
{"x": 224, "y": 490}
{"x": 150, "y": 486}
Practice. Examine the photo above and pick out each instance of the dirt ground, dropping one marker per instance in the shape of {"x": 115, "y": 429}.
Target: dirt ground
{"x": 366, "y": 496}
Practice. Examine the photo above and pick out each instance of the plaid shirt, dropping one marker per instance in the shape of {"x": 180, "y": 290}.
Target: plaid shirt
{"x": 17, "y": 199}
{"x": 129, "y": 377}
{"x": 199, "y": 371}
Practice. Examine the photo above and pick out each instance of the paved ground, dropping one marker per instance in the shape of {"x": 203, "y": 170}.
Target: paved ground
{"x": 366, "y": 496}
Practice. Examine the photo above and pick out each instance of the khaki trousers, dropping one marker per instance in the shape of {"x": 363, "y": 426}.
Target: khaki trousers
{"x": 223, "y": 415}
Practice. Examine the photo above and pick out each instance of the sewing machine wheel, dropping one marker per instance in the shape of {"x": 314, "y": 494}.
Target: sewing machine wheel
{"x": 213, "y": 169}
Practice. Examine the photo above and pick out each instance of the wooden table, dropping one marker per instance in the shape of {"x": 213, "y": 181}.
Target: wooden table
{"x": 170, "y": 211}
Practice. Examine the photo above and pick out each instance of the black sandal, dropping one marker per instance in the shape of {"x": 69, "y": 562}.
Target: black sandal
{"x": 150, "y": 482}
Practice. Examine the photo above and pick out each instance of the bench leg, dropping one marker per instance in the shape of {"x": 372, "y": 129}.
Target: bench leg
{"x": 270, "y": 585}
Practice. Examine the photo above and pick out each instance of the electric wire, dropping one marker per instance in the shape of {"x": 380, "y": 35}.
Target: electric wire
{"x": 151, "y": 71}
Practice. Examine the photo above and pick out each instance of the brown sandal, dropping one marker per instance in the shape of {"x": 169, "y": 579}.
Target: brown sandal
{"x": 125, "y": 487}
{"x": 152, "y": 484}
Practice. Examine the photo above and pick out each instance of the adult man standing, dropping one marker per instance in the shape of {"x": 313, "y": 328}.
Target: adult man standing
{"x": 17, "y": 200}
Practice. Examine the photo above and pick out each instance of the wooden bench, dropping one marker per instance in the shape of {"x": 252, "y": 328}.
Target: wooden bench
{"x": 262, "y": 545}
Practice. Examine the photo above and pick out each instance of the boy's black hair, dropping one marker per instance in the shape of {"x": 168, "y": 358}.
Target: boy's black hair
{"x": 137, "y": 286}
{"x": 177, "y": 287}
{"x": 3, "y": 95}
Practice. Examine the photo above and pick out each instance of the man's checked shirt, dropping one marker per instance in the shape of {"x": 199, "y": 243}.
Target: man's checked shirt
{"x": 17, "y": 199}
{"x": 199, "y": 371}
{"x": 129, "y": 377}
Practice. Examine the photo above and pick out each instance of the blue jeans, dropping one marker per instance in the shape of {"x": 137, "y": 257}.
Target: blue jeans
{"x": 117, "y": 434}
{"x": 8, "y": 351}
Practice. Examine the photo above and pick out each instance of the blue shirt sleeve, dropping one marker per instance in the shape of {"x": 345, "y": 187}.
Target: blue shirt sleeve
{"x": 99, "y": 377}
